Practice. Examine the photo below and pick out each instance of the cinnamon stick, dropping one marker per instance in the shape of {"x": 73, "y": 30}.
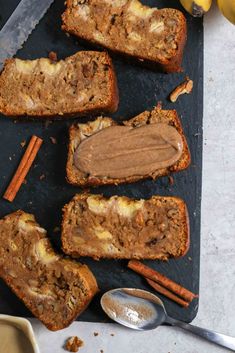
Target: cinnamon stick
{"x": 167, "y": 293}
{"x": 157, "y": 277}
{"x": 23, "y": 168}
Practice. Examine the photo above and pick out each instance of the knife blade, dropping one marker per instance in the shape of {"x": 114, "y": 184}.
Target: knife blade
{"x": 19, "y": 26}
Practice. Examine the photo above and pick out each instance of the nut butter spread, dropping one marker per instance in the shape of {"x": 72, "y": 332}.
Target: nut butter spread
{"x": 124, "y": 151}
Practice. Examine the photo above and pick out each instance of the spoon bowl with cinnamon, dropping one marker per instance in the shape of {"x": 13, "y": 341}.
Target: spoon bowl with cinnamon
{"x": 142, "y": 310}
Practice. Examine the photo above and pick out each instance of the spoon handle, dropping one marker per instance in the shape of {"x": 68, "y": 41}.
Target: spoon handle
{"x": 212, "y": 336}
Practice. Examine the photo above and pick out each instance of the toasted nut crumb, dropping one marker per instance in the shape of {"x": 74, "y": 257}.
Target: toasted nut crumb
{"x": 23, "y": 143}
{"x": 139, "y": 218}
{"x": 42, "y": 176}
{"x": 171, "y": 180}
{"x": 95, "y": 333}
{"x": 184, "y": 87}
{"x": 53, "y": 140}
{"x": 52, "y": 56}
{"x": 73, "y": 344}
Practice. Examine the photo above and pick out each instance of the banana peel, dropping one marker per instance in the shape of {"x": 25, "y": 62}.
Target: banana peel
{"x": 227, "y": 7}
{"x": 197, "y": 8}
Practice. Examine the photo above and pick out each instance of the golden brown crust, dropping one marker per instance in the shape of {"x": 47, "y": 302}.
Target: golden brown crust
{"x": 170, "y": 117}
{"x": 184, "y": 233}
{"x": 85, "y": 276}
{"x": 109, "y": 106}
{"x": 173, "y": 64}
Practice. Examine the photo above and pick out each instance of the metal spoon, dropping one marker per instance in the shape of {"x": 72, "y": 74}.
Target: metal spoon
{"x": 142, "y": 310}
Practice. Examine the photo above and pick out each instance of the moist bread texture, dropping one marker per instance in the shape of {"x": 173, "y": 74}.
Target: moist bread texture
{"x": 80, "y": 132}
{"x": 123, "y": 228}
{"x": 154, "y": 37}
{"x": 84, "y": 83}
{"x": 56, "y": 290}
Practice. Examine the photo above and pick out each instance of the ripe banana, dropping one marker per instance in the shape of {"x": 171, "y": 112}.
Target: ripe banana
{"x": 227, "y": 7}
{"x": 197, "y": 8}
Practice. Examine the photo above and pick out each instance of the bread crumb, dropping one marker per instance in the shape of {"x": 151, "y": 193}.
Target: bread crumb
{"x": 24, "y": 181}
{"x": 56, "y": 229}
{"x": 171, "y": 180}
{"x": 96, "y": 334}
{"x": 52, "y": 56}
{"x": 42, "y": 176}
{"x": 47, "y": 123}
{"x": 184, "y": 87}
{"x": 53, "y": 140}
{"x": 10, "y": 158}
{"x": 190, "y": 259}
{"x": 73, "y": 344}
{"x": 23, "y": 143}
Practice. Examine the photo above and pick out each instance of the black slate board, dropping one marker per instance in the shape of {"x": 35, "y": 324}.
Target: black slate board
{"x": 140, "y": 89}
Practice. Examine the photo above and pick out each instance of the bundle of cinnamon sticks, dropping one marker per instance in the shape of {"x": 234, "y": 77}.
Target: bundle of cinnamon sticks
{"x": 163, "y": 284}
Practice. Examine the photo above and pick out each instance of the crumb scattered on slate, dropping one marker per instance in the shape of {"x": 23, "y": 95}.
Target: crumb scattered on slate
{"x": 73, "y": 344}
{"x": 53, "y": 140}
{"x": 25, "y": 182}
{"x": 56, "y": 229}
{"x": 23, "y": 143}
{"x": 96, "y": 334}
{"x": 190, "y": 259}
{"x": 42, "y": 177}
{"x": 52, "y": 56}
{"x": 47, "y": 123}
{"x": 171, "y": 179}
{"x": 10, "y": 158}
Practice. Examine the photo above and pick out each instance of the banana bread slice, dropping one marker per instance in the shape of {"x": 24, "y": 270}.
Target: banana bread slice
{"x": 55, "y": 289}
{"x": 84, "y": 83}
{"x": 155, "y": 37}
{"x": 122, "y": 228}
{"x": 151, "y": 144}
